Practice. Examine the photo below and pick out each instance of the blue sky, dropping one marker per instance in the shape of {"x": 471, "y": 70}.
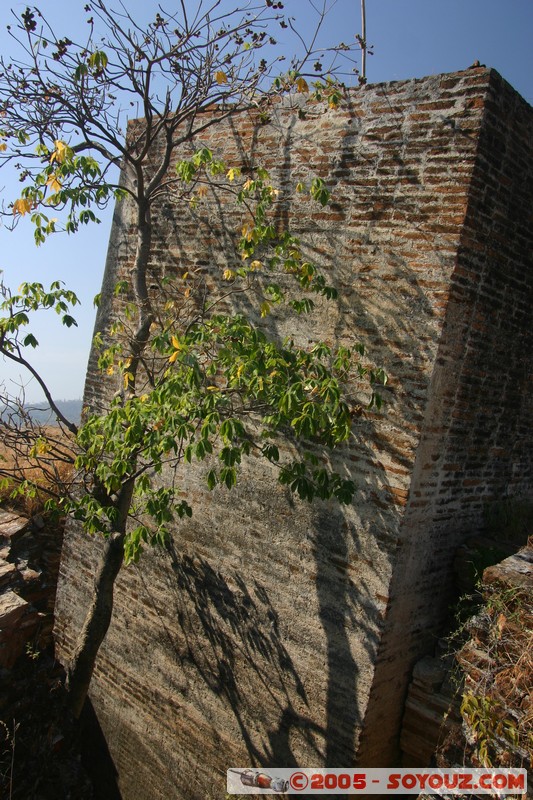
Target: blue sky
{"x": 410, "y": 38}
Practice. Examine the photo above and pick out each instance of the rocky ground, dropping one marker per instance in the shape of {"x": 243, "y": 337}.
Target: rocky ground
{"x": 40, "y": 749}
{"x": 40, "y": 756}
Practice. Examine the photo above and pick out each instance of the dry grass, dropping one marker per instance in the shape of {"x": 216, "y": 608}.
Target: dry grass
{"x": 512, "y": 650}
{"x": 36, "y": 464}
{"x": 498, "y": 703}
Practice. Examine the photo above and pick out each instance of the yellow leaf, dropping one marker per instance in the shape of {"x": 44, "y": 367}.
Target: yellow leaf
{"x": 40, "y": 448}
{"x": 60, "y": 152}
{"x": 22, "y": 206}
{"x": 248, "y": 232}
{"x": 143, "y": 398}
{"x": 173, "y": 357}
{"x": 3, "y": 147}
{"x": 301, "y": 85}
{"x": 221, "y": 77}
{"x": 228, "y": 274}
{"x": 233, "y": 173}
{"x": 240, "y": 370}
{"x": 265, "y": 309}
{"x": 300, "y": 187}
{"x": 184, "y": 276}
{"x": 54, "y": 184}
{"x": 175, "y": 342}
{"x": 187, "y": 291}
{"x": 256, "y": 265}
{"x": 110, "y": 370}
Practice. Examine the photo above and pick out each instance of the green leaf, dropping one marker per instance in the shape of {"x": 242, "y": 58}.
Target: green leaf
{"x": 202, "y": 156}
{"x": 98, "y": 60}
{"x": 121, "y": 287}
{"x": 228, "y": 475}
{"x": 80, "y": 71}
{"x": 30, "y": 341}
{"x": 212, "y": 479}
{"x": 319, "y": 191}
{"x": 185, "y": 170}
{"x": 271, "y": 452}
{"x": 184, "y": 509}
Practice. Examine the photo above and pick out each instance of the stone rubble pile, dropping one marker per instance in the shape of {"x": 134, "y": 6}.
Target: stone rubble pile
{"x": 29, "y": 562}
{"x": 46, "y": 762}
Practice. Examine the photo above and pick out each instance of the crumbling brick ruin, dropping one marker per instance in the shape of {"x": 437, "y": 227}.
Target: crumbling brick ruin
{"x": 283, "y": 634}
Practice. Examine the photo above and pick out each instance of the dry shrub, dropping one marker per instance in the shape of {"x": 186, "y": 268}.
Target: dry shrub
{"x": 512, "y": 650}
{"x": 498, "y": 703}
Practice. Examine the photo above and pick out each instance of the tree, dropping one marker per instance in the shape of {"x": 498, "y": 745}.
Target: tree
{"x": 193, "y": 382}
{"x": 363, "y": 41}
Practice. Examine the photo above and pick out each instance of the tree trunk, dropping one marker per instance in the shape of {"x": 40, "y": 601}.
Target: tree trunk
{"x": 96, "y": 625}
{"x": 98, "y": 618}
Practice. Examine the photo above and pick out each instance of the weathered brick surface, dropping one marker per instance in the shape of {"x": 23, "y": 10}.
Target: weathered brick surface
{"x": 476, "y": 439}
{"x": 284, "y": 634}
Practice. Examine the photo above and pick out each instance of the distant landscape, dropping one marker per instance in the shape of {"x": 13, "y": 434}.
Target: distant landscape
{"x": 41, "y": 412}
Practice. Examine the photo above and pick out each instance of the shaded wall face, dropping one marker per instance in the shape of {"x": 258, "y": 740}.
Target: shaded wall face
{"x": 475, "y": 450}
{"x": 256, "y": 639}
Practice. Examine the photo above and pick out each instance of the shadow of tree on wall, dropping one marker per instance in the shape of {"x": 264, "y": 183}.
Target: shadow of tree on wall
{"x": 345, "y": 606}
{"x": 227, "y": 629}
{"x": 235, "y": 631}
{"x": 231, "y": 630}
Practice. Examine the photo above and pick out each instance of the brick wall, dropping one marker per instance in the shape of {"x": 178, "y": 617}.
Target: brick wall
{"x": 475, "y": 445}
{"x": 280, "y": 633}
